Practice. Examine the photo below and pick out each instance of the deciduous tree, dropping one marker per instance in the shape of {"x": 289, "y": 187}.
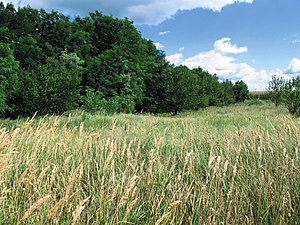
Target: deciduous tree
{"x": 276, "y": 89}
{"x": 8, "y": 77}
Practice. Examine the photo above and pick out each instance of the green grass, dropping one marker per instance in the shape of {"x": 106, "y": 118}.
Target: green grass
{"x": 231, "y": 165}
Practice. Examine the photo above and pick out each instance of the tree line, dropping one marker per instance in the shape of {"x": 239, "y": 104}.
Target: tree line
{"x": 50, "y": 63}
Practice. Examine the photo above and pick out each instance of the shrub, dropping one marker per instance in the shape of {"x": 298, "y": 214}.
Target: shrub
{"x": 93, "y": 100}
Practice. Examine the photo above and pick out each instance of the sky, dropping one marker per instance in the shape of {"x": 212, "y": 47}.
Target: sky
{"x": 248, "y": 40}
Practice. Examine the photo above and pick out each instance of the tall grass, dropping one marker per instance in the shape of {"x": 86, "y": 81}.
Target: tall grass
{"x": 234, "y": 165}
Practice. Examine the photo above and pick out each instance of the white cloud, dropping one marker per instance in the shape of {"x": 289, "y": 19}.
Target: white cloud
{"x": 175, "y": 59}
{"x": 296, "y": 41}
{"x": 162, "y": 33}
{"x": 181, "y": 49}
{"x": 159, "y": 45}
{"x": 227, "y": 68}
{"x": 140, "y": 11}
{"x": 293, "y": 68}
{"x": 218, "y": 62}
{"x": 224, "y": 46}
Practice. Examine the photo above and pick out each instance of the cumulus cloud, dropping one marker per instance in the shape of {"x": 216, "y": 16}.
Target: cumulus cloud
{"x": 159, "y": 45}
{"x": 218, "y": 61}
{"x": 293, "y": 68}
{"x": 162, "y": 33}
{"x": 296, "y": 41}
{"x": 175, "y": 59}
{"x": 140, "y": 11}
{"x": 226, "y": 67}
{"x": 181, "y": 49}
{"x": 224, "y": 46}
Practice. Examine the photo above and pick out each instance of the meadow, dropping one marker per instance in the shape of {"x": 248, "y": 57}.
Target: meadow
{"x": 232, "y": 165}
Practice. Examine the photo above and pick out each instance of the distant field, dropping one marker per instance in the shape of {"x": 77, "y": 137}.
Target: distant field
{"x": 258, "y": 92}
{"x": 230, "y": 165}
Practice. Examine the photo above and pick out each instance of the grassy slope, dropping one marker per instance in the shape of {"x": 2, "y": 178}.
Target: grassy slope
{"x": 235, "y": 165}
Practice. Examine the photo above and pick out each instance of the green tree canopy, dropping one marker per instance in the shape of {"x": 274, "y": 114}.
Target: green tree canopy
{"x": 227, "y": 92}
{"x": 103, "y": 59}
{"x": 8, "y": 77}
{"x": 241, "y": 91}
{"x": 52, "y": 87}
{"x": 292, "y": 96}
{"x": 276, "y": 89}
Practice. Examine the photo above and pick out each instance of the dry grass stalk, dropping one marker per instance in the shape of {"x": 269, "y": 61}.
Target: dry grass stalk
{"x": 174, "y": 204}
{"x": 72, "y": 179}
{"x": 34, "y": 206}
{"x": 211, "y": 160}
{"x": 259, "y": 150}
{"x": 78, "y": 210}
{"x": 4, "y": 161}
{"x": 53, "y": 175}
{"x": 101, "y": 192}
{"x": 232, "y": 180}
{"x": 114, "y": 194}
{"x": 137, "y": 150}
{"x": 129, "y": 187}
{"x": 31, "y": 177}
{"x": 81, "y": 129}
{"x": 181, "y": 147}
{"x": 286, "y": 157}
{"x": 108, "y": 160}
{"x": 239, "y": 130}
{"x": 216, "y": 167}
{"x": 163, "y": 218}
{"x": 54, "y": 209}
{"x": 28, "y": 169}
{"x": 157, "y": 206}
{"x": 128, "y": 152}
{"x": 150, "y": 168}
{"x": 225, "y": 167}
{"x": 42, "y": 174}
{"x": 130, "y": 206}
{"x": 186, "y": 161}
{"x": 66, "y": 162}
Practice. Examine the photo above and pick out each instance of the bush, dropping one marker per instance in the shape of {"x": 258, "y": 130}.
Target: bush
{"x": 120, "y": 104}
{"x": 93, "y": 100}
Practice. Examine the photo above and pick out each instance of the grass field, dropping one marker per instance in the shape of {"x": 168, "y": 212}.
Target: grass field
{"x": 258, "y": 92}
{"x": 231, "y": 165}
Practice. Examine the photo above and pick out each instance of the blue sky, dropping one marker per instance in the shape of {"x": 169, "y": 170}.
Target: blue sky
{"x": 236, "y": 39}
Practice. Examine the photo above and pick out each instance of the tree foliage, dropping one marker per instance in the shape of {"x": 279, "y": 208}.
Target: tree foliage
{"x": 292, "y": 96}
{"x": 227, "y": 92}
{"x": 97, "y": 62}
{"x": 52, "y": 87}
{"x": 8, "y": 78}
{"x": 276, "y": 89}
{"x": 240, "y": 90}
